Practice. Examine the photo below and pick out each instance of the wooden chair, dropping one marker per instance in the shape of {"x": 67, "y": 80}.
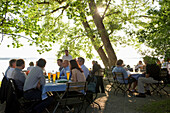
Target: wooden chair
{"x": 24, "y": 104}
{"x": 73, "y": 96}
{"x": 109, "y": 78}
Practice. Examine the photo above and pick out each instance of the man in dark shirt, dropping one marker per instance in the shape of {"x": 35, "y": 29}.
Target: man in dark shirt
{"x": 19, "y": 76}
{"x": 151, "y": 76}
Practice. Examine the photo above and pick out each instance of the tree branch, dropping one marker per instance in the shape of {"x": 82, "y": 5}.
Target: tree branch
{"x": 63, "y": 7}
{"x": 43, "y": 3}
{"x": 147, "y": 16}
{"x": 18, "y": 35}
{"x": 106, "y": 9}
{"x": 113, "y": 13}
{"x": 58, "y": 16}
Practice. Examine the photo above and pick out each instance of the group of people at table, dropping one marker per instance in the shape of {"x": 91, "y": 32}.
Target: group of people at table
{"x": 147, "y": 73}
{"x": 30, "y": 86}
{"x": 29, "y": 83}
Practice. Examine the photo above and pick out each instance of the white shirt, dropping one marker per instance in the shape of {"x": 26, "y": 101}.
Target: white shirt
{"x": 168, "y": 67}
{"x": 9, "y": 72}
{"x": 128, "y": 72}
{"x": 85, "y": 70}
{"x": 29, "y": 68}
{"x": 69, "y": 57}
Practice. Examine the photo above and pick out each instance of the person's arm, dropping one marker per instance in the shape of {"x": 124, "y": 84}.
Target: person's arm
{"x": 147, "y": 75}
{"x": 87, "y": 71}
{"x": 147, "y": 71}
{"x": 113, "y": 72}
{"x": 62, "y": 72}
{"x": 125, "y": 74}
{"x": 38, "y": 85}
{"x": 41, "y": 79}
{"x": 73, "y": 77}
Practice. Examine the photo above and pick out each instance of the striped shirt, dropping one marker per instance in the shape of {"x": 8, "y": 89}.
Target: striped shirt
{"x": 35, "y": 75}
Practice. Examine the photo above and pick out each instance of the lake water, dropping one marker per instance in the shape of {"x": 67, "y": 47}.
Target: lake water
{"x": 52, "y": 63}
{"x": 50, "y": 66}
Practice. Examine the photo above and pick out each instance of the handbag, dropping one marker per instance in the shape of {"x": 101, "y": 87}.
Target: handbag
{"x": 91, "y": 86}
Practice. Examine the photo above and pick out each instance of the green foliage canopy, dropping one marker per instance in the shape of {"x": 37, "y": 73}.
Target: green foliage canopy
{"x": 156, "y": 32}
{"x": 60, "y": 21}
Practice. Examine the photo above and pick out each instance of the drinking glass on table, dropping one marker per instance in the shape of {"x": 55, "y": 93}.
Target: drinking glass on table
{"x": 54, "y": 77}
{"x": 49, "y": 76}
{"x": 68, "y": 75}
{"x": 58, "y": 75}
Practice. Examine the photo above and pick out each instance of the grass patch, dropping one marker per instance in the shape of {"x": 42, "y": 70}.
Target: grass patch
{"x": 162, "y": 106}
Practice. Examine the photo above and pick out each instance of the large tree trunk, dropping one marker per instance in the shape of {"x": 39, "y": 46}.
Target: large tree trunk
{"x": 99, "y": 49}
{"x": 103, "y": 33}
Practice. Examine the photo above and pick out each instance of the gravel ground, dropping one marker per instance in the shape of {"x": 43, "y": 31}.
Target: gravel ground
{"x": 111, "y": 103}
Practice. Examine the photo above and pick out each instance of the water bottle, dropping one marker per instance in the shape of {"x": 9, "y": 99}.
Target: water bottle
{"x": 134, "y": 69}
{"x": 139, "y": 70}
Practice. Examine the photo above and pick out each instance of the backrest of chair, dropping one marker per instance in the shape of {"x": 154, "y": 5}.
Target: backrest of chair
{"x": 119, "y": 75}
{"x": 76, "y": 86}
{"x": 13, "y": 85}
{"x": 3, "y": 92}
{"x": 12, "y": 102}
{"x": 163, "y": 74}
{"x": 3, "y": 74}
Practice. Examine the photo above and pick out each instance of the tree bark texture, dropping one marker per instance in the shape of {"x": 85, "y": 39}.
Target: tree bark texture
{"x": 99, "y": 50}
{"x": 103, "y": 33}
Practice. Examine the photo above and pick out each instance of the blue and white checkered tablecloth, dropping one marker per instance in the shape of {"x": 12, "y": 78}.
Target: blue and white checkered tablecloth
{"x": 53, "y": 87}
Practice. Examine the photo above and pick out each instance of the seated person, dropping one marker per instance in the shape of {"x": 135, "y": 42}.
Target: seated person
{"x": 19, "y": 76}
{"x": 83, "y": 67}
{"x": 119, "y": 68}
{"x": 151, "y": 76}
{"x": 158, "y": 62}
{"x": 132, "y": 78}
{"x": 12, "y": 64}
{"x": 65, "y": 69}
{"x": 33, "y": 85}
{"x": 76, "y": 71}
{"x": 139, "y": 66}
{"x": 31, "y": 65}
{"x": 60, "y": 64}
